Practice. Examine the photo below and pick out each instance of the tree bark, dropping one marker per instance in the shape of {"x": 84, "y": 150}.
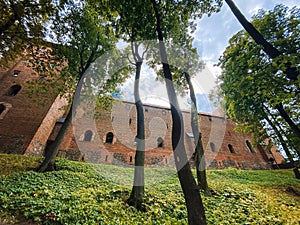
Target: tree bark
{"x": 136, "y": 198}
{"x": 199, "y": 151}
{"x": 268, "y": 48}
{"x": 195, "y": 208}
{"x": 48, "y": 163}
{"x": 287, "y": 118}
{"x": 278, "y": 133}
{"x": 284, "y": 146}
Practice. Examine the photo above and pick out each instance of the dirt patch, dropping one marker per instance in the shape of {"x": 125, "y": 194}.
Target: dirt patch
{"x": 292, "y": 190}
{"x": 17, "y": 220}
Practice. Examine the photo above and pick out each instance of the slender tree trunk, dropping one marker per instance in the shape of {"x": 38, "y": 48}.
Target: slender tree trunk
{"x": 274, "y": 125}
{"x": 284, "y": 145}
{"x": 136, "y": 198}
{"x": 268, "y": 48}
{"x": 195, "y": 208}
{"x": 289, "y": 121}
{"x": 50, "y": 154}
{"x": 199, "y": 151}
{"x": 48, "y": 163}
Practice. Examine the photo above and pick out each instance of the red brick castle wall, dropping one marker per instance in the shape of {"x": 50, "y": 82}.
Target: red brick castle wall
{"x": 110, "y": 138}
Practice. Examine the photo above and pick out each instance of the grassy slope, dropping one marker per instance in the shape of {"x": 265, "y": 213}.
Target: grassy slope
{"x": 81, "y": 194}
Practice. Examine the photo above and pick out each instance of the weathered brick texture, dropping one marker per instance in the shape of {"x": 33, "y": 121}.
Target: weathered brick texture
{"x": 217, "y": 134}
{"x": 23, "y": 115}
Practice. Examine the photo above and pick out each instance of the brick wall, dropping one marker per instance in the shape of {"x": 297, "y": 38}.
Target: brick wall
{"x": 217, "y": 135}
{"x": 26, "y": 124}
{"x": 23, "y": 115}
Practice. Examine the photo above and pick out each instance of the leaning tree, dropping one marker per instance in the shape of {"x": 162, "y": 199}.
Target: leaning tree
{"x": 171, "y": 18}
{"x": 88, "y": 36}
{"x": 290, "y": 69}
{"x": 255, "y": 86}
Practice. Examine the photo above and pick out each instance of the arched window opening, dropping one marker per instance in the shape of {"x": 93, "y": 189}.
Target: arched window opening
{"x": 231, "y": 149}
{"x": 130, "y": 121}
{"x": 109, "y": 138}
{"x": 88, "y": 135}
{"x": 130, "y": 159}
{"x": 2, "y": 108}
{"x": 106, "y": 158}
{"x": 160, "y": 142}
{"x": 251, "y": 149}
{"x": 13, "y": 91}
{"x": 212, "y": 146}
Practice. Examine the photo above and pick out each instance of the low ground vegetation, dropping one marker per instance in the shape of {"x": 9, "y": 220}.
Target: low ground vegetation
{"x": 77, "y": 193}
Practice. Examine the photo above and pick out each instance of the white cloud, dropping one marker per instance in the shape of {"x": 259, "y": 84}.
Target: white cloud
{"x": 210, "y": 39}
{"x": 213, "y": 33}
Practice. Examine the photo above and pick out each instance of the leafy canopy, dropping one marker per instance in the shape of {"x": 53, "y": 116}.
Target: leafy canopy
{"x": 253, "y": 84}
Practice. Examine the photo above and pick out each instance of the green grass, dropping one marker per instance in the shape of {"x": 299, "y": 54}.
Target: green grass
{"x": 79, "y": 193}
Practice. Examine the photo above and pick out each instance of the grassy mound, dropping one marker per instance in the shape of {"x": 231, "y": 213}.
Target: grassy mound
{"x": 79, "y": 194}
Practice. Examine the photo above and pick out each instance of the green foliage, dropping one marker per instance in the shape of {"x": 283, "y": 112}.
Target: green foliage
{"x": 253, "y": 85}
{"x": 77, "y": 194}
{"x": 22, "y": 23}
{"x": 10, "y": 164}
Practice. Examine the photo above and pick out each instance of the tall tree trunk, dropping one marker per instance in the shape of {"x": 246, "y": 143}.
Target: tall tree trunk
{"x": 284, "y": 145}
{"x": 51, "y": 151}
{"x": 268, "y": 48}
{"x": 289, "y": 121}
{"x": 195, "y": 208}
{"x": 199, "y": 151}
{"x": 49, "y": 162}
{"x": 274, "y": 125}
{"x": 136, "y": 198}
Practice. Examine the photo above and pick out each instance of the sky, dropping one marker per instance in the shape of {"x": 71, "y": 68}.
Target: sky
{"x": 213, "y": 33}
{"x": 210, "y": 38}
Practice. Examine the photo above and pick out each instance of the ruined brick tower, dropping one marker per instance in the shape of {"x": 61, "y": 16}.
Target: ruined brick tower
{"x": 25, "y": 123}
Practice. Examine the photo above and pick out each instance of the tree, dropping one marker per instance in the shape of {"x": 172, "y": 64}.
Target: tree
{"x": 89, "y": 36}
{"x": 136, "y": 198}
{"x": 173, "y": 18}
{"x": 128, "y": 26}
{"x": 199, "y": 150}
{"x": 283, "y": 58}
{"x": 22, "y": 23}
{"x": 184, "y": 63}
{"x": 254, "y": 86}
{"x": 196, "y": 214}
{"x": 290, "y": 69}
